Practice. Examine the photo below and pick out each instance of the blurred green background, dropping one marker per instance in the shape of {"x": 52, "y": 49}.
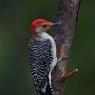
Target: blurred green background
{"x": 15, "y": 19}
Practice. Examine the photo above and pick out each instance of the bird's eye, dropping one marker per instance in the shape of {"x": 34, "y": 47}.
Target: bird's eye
{"x": 44, "y": 26}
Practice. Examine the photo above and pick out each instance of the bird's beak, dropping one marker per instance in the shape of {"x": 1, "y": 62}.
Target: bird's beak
{"x": 56, "y": 24}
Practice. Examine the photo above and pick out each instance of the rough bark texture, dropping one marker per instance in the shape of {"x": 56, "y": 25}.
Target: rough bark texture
{"x": 67, "y": 13}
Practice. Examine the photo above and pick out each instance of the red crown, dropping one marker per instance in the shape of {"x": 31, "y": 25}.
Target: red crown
{"x": 36, "y": 23}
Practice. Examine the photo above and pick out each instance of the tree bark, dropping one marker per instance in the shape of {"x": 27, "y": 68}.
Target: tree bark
{"x": 67, "y": 14}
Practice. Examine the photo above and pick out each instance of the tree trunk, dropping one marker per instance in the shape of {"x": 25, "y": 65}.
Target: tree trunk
{"x": 67, "y": 14}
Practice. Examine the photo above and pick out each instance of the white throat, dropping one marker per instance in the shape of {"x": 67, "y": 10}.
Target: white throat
{"x": 44, "y": 35}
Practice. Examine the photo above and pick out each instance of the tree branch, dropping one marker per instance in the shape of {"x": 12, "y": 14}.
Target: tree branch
{"x": 68, "y": 75}
{"x": 67, "y": 14}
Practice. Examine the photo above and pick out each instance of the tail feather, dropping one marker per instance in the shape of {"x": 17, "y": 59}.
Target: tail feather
{"x": 48, "y": 90}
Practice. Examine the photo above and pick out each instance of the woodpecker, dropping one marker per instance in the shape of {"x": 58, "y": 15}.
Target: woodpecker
{"x": 42, "y": 56}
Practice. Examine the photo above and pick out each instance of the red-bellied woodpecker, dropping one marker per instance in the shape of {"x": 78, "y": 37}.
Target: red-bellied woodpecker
{"x": 42, "y": 55}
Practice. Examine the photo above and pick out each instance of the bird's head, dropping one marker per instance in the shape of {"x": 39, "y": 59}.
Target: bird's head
{"x": 41, "y": 25}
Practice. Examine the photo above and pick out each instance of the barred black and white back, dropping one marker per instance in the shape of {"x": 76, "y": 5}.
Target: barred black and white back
{"x": 40, "y": 58}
